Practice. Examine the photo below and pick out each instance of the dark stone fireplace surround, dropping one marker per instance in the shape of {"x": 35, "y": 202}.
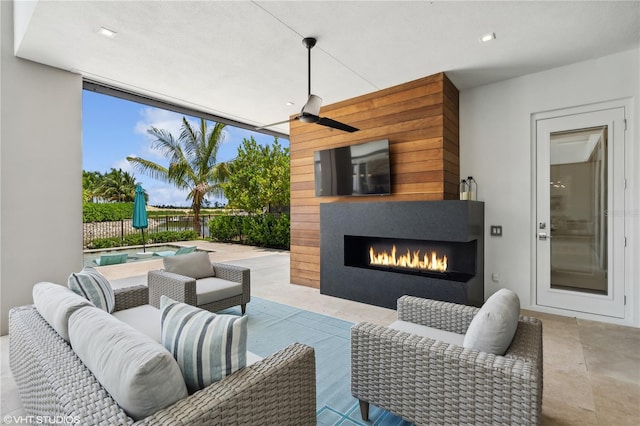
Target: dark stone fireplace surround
{"x": 456, "y": 227}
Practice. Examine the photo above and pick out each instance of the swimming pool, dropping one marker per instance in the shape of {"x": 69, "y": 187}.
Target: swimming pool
{"x": 89, "y": 257}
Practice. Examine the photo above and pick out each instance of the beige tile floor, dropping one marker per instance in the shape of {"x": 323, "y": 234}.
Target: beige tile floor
{"x": 591, "y": 369}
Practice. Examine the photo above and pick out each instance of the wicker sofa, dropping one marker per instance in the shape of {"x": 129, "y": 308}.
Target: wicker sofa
{"x": 53, "y": 381}
{"x": 426, "y": 381}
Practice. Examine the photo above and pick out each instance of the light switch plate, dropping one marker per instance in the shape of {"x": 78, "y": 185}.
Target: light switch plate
{"x": 496, "y": 230}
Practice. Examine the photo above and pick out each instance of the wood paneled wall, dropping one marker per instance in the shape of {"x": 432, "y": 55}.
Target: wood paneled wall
{"x": 420, "y": 119}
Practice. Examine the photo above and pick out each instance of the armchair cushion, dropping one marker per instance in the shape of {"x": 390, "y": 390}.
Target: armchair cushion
{"x": 429, "y": 332}
{"x": 209, "y": 290}
{"x": 495, "y": 324}
{"x": 195, "y": 265}
{"x": 208, "y": 347}
{"x": 140, "y": 374}
{"x": 93, "y": 286}
{"x": 56, "y": 303}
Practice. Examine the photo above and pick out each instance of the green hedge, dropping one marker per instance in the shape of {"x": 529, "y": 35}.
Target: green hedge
{"x": 226, "y": 228}
{"x": 136, "y": 239}
{"x": 265, "y": 230}
{"x": 105, "y": 212}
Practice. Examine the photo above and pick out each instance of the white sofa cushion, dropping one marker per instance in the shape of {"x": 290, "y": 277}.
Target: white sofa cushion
{"x": 92, "y": 285}
{"x": 144, "y": 318}
{"x": 140, "y": 375}
{"x": 493, "y": 327}
{"x": 195, "y": 265}
{"x": 56, "y": 303}
{"x": 430, "y": 332}
{"x": 208, "y": 347}
{"x": 147, "y": 318}
{"x": 212, "y": 289}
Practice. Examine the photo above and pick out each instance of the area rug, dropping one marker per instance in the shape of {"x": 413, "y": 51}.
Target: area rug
{"x": 273, "y": 326}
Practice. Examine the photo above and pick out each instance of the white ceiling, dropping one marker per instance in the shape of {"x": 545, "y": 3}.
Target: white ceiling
{"x": 244, "y": 60}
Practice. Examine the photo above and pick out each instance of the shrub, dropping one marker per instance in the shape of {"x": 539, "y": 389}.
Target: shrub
{"x": 170, "y": 236}
{"x": 101, "y": 243}
{"x": 105, "y": 212}
{"x": 267, "y": 230}
{"x": 135, "y": 239}
{"x": 226, "y": 228}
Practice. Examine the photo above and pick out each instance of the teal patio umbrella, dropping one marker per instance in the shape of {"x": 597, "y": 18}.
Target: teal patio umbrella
{"x": 140, "y": 213}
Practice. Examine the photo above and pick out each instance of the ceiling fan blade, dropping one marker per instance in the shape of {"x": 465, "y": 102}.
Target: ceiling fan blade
{"x": 279, "y": 122}
{"x": 323, "y": 121}
{"x": 311, "y": 110}
{"x": 313, "y": 105}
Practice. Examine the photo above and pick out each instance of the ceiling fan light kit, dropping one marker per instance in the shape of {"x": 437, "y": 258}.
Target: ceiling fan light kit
{"x": 310, "y": 112}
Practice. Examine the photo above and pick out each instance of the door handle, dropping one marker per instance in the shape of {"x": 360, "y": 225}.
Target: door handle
{"x": 543, "y": 236}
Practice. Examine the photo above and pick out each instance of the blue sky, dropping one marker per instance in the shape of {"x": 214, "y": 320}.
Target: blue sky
{"x": 113, "y": 129}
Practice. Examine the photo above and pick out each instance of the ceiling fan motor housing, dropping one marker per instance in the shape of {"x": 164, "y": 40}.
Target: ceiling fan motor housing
{"x": 309, "y": 42}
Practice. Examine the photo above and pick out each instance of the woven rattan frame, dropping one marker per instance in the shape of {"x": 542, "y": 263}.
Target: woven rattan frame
{"x": 183, "y": 289}
{"x": 130, "y": 297}
{"x": 53, "y": 381}
{"x": 430, "y": 382}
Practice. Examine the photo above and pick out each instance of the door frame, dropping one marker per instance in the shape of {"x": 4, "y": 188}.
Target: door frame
{"x": 625, "y": 274}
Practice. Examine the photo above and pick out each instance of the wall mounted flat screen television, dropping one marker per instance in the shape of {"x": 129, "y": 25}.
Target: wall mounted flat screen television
{"x": 360, "y": 169}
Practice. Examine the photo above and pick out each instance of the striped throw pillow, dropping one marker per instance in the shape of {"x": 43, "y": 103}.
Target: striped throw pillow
{"x": 93, "y": 286}
{"x": 207, "y": 347}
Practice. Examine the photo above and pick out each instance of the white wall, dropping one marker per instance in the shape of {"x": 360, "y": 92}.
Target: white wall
{"x": 40, "y": 173}
{"x": 496, "y": 149}
{"x": 41, "y": 166}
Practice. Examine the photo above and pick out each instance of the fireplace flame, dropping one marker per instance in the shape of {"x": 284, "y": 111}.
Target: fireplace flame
{"x": 409, "y": 260}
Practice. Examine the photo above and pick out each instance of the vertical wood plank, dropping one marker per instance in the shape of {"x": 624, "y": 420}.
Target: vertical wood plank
{"x": 420, "y": 119}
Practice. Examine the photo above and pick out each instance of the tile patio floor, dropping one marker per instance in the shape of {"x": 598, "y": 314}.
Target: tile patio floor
{"x": 591, "y": 369}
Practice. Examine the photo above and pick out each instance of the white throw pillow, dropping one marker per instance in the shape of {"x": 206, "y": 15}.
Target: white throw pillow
{"x": 208, "y": 347}
{"x": 495, "y": 324}
{"x": 140, "y": 375}
{"x": 93, "y": 286}
{"x": 195, "y": 265}
{"x": 56, "y": 303}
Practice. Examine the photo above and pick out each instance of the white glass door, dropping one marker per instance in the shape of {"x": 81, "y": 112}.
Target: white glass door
{"x": 580, "y": 204}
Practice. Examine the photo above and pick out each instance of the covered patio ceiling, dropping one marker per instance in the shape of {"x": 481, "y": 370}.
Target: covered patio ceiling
{"x": 244, "y": 60}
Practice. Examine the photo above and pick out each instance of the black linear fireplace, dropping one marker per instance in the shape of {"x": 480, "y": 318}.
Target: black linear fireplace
{"x": 376, "y": 252}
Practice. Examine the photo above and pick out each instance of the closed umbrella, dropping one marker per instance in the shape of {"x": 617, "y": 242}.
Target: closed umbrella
{"x": 140, "y": 213}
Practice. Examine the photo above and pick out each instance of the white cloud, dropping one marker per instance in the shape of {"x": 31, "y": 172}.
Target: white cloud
{"x": 160, "y": 118}
{"x": 167, "y": 195}
{"x": 161, "y": 194}
{"x": 124, "y": 164}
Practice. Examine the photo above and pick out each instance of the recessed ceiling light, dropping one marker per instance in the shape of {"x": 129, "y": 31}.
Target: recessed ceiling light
{"x": 107, "y": 32}
{"x": 290, "y": 103}
{"x": 487, "y": 37}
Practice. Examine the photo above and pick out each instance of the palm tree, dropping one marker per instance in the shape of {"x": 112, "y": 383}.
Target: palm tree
{"x": 193, "y": 162}
{"x": 118, "y": 186}
{"x": 90, "y": 183}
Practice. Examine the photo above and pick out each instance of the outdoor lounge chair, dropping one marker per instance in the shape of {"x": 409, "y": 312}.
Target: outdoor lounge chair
{"x": 412, "y": 369}
{"x": 193, "y": 279}
{"x": 181, "y": 250}
{"x": 111, "y": 259}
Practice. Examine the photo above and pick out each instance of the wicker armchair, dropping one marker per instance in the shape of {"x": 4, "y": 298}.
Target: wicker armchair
{"x": 185, "y": 289}
{"x": 431, "y": 382}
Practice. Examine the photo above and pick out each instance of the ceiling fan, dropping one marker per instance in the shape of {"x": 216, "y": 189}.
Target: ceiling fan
{"x": 311, "y": 110}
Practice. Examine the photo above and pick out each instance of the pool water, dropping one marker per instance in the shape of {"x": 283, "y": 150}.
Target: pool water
{"x": 132, "y": 252}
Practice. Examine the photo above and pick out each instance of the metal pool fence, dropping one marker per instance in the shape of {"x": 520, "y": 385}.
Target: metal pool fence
{"x": 122, "y": 228}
